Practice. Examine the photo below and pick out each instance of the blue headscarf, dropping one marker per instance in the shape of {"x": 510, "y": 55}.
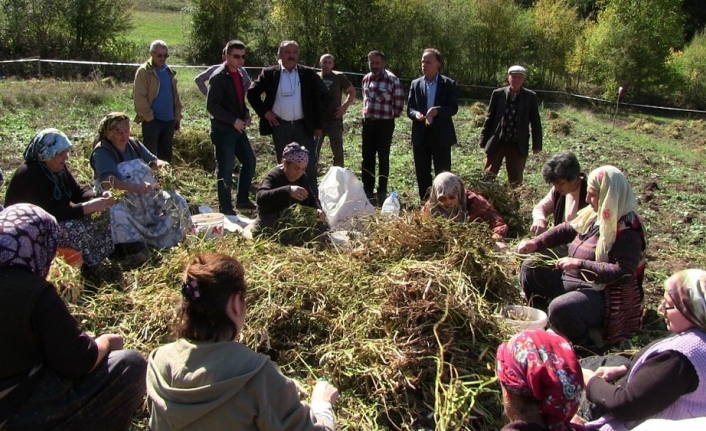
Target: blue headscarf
{"x": 45, "y": 145}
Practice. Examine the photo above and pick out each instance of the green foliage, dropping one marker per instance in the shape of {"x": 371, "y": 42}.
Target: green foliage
{"x": 691, "y": 67}
{"x": 213, "y": 23}
{"x": 630, "y": 44}
{"x": 62, "y": 29}
{"x": 554, "y": 25}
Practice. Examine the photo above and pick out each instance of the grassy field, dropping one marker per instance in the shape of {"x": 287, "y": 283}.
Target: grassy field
{"x": 403, "y": 324}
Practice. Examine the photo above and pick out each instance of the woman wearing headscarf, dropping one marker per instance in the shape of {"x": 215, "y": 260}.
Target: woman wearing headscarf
{"x": 45, "y": 180}
{"x": 285, "y": 186}
{"x": 667, "y": 378}
{"x": 541, "y": 382}
{"x": 596, "y": 291}
{"x": 148, "y": 214}
{"x": 52, "y": 374}
{"x": 449, "y": 199}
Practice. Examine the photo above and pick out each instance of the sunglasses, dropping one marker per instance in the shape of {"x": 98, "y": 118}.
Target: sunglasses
{"x": 238, "y": 56}
{"x": 161, "y": 55}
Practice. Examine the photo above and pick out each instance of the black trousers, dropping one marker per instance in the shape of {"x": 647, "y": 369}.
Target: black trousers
{"x": 377, "y": 139}
{"x": 425, "y": 153}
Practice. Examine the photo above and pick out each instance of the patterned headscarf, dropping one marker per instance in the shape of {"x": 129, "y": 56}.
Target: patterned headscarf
{"x": 448, "y": 184}
{"x": 45, "y": 145}
{"x": 107, "y": 122}
{"x": 615, "y": 199}
{"x": 28, "y": 238}
{"x": 687, "y": 289}
{"x": 542, "y": 365}
{"x": 295, "y": 153}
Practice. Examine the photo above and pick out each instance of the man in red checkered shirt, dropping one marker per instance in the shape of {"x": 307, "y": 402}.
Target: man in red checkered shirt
{"x": 383, "y": 101}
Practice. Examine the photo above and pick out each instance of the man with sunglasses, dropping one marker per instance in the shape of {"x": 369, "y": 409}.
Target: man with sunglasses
{"x": 157, "y": 102}
{"x": 295, "y": 100}
{"x": 229, "y": 118}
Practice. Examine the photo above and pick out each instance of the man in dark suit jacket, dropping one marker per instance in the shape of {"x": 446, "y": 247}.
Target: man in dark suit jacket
{"x": 505, "y": 133}
{"x": 294, "y": 104}
{"x": 432, "y": 101}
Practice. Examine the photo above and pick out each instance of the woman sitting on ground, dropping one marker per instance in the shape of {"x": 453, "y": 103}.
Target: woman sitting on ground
{"x": 449, "y": 199}
{"x": 206, "y": 380}
{"x": 285, "y": 186}
{"x": 44, "y": 180}
{"x": 667, "y": 378}
{"x": 541, "y": 382}
{"x": 597, "y": 288}
{"x": 147, "y": 214}
{"x": 52, "y": 374}
{"x": 567, "y": 195}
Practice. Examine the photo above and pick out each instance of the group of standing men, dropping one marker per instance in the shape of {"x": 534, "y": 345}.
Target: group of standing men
{"x": 294, "y": 103}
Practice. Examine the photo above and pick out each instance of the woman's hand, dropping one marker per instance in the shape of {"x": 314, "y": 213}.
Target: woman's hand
{"x": 298, "y": 193}
{"x": 610, "y": 374}
{"x": 568, "y": 263}
{"x": 98, "y": 204}
{"x": 538, "y": 227}
{"x": 587, "y": 375}
{"x": 321, "y": 214}
{"x": 526, "y": 247}
{"x": 324, "y": 391}
{"x": 500, "y": 246}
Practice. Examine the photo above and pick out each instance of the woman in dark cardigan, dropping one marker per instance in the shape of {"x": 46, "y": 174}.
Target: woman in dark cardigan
{"x": 54, "y": 376}
{"x": 44, "y": 180}
{"x": 596, "y": 291}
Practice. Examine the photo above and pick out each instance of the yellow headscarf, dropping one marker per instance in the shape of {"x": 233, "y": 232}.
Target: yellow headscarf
{"x": 615, "y": 199}
{"x": 107, "y": 121}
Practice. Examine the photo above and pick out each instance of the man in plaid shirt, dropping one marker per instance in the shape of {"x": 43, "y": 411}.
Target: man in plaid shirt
{"x": 383, "y": 101}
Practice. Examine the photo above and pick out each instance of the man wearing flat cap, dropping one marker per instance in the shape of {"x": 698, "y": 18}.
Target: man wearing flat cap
{"x": 506, "y": 129}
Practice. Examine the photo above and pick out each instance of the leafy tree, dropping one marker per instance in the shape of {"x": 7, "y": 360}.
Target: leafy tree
{"x": 631, "y": 43}
{"x": 91, "y": 24}
{"x": 691, "y": 66}
{"x": 554, "y": 26}
{"x": 213, "y": 23}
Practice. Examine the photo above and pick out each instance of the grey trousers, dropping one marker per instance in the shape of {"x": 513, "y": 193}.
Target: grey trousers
{"x": 104, "y": 399}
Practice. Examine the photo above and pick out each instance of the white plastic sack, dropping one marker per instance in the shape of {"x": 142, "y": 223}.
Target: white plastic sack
{"x": 343, "y": 199}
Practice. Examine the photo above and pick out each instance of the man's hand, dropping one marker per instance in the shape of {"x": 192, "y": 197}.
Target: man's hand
{"x": 298, "y": 193}
{"x": 432, "y": 112}
{"x": 341, "y": 111}
{"x": 177, "y": 125}
{"x": 419, "y": 116}
{"x": 239, "y": 125}
{"x": 248, "y": 121}
{"x": 271, "y": 118}
{"x": 538, "y": 227}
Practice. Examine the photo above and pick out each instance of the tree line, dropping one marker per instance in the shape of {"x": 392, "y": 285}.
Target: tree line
{"x": 655, "y": 49}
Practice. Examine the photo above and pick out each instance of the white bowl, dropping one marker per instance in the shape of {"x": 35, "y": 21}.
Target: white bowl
{"x": 520, "y": 317}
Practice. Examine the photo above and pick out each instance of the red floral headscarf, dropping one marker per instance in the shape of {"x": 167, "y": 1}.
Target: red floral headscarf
{"x": 542, "y": 365}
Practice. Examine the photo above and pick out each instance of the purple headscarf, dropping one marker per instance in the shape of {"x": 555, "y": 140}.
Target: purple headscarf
{"x": 295, "y": 153}
{"x": 28, "y": 238}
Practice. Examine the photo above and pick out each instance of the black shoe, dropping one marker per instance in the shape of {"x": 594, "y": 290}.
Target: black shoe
{"x": 247, "y": 205}
{"x": 228, "y": 212}
{"x": 371, "y": 198}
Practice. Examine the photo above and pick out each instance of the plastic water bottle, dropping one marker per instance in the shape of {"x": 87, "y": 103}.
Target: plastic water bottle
{"x": 391, "y": 205}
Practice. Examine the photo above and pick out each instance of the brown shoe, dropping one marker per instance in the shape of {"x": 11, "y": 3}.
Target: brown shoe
{"x": 247, "y": 205}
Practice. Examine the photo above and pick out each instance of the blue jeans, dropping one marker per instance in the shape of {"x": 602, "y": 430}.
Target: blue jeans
{"x": 158, "y": 137}
{"x": 228, "y": 145}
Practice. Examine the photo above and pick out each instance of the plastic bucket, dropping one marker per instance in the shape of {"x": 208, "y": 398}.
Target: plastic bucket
{"x": 520, "y": 317}
{"x": 210, "y": 225}
{"x": 71, "y": 256}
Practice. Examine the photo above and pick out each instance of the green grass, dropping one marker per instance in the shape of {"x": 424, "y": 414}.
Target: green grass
{"x": 170, "y": 26}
